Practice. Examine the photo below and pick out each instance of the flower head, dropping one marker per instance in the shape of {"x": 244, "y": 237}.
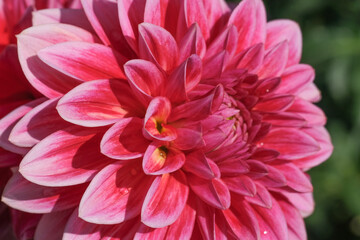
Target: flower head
{"x": 167, "y": 119}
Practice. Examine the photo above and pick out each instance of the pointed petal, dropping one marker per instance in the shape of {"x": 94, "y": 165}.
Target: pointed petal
{"x": 295, "y": 222}
{"x": 264, "y": 155}
{"x": 198, "y": 164}
{"x": 284, "y": 119}
{"x": 160, "y": 209}
{"x": 262, "y": 197}
{"x": 227, "y": 40}
{"x": 26, "y": 196}
{"x": 192, "y": 42}
{"x": 274, "y": 104}
{"x": 205, "y": 218}
{"x": 97, "y": 103}
{"x": 67, "y": 157}
{"x": 147, "y": 233}
{"x": 115, "y": 195}
{"x": 189, "y": 137}
{"x": 312, "y": 114}
{"x": 310, "y": 93}
{"x": 213, "y": 191}
{"x": 302, "y": 201}
{"x": 155, "y": 121}
{"x": 295, "y": 78}
{"x": 45, "y": 79}
{"x": 273, "y": 179}
{"x": 80, "y": 60}
{"x": 242, "y": 184}
{"x": 280, "y": 30}
{"x": 37, "y": 124}
{"x": 8, "y": 122}
{"x": 124, "y": 140}
{"x": 274, "y": 61}
{"x": 295, "y": 178}
{"x": 291, "y": 143}
{"x": 159, "y": 159}
{"x": 183, "y": 227}
{"x": 251, "y": 59}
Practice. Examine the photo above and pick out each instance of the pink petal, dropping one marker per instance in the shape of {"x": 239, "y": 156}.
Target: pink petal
{"x": 264, "y": 155}
{"x": 267, "y": 86}
{"x": 97, "y": 103}
{"x": 115, "y": 195}
{"x": 262, "y": 197}
{"x": 81, "y": 60}
{"x": 26, "y": 196}
{"x": 160, "y": 209}
{"x": 24, "y": 224}
{"x": 183, "y": 227}
{"x": 242, "y": 184}
{"x": 295, "y": 222}
{"x": 124, "y": 140}
{"x": 189, "y": 137}
{"x": 52, "y": 225}
{"x": 273, "y": 179}
{"x": 274, "y": 61}
{"x": 159, "y": 159}
{"x": 312, "y": 114}
{"x": 147, "y": 233}
{"x": 67, "y": 157}
{"x": 198, "y": 164}
{"x": 215, "y": 66}
{"x": 68, "y": 16}
{"x": 155, "y": 122}
{"x": 302, "y": 201}
{"x": 310, "y": 93}
{"x": 103, "y": 16}
{"x": 45, "y": 79}
{"x": 251, "y": 59}
{"x": 249, "y": 18}
{"x": 257, "y": 169}
{"x": 295, "y": 78}
{"x": 280, "y": 30}
{"x": 291, "y": 143}
{"x": 295, "y": 178}
{"x": 232, "y": 167}
{"x": 145, "y": 78}
{"x": 284, "y": 119}
{"x": 37, "y": 124}
{"x": 7, "y": 124}
{"x": 205, "y": 218}
{"x": 213, "y": 191}
{"x": 199, "y": 109}
{"x": 274, "y": 104}
{"x": 227, "y": 40}
{"x": 192, "y": 42}
{"x": 183, "y": 79}
{"x": 157, "y": 45}
{"x": 272, "y": 222}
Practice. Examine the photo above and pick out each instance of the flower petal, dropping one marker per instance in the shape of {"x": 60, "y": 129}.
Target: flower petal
{"x": 26, "y": 196}
{"x": 67, "y": 157}
{"x": 296, "y": 78}
{"x": 158, "y": 45}
{"x": 274, "y": 61}
{"x": 183, "y": 227}
{"x": 45, "y": 79}
{"x": 9, "y": 159}
{"x": 295, "y": 178}
{"x": 192, "y": 42}
{"x": 262, "y": 197}
{"x": 98, "y": 103}
{"x": 80, "y": 60}
{"x": 198, "y": 164}
{"x": 242, "y": 184}
{"x": 124, "y": 140}
{"x": 312, "y": 114}
{"x": 280, "y": 30}
{"x": 165, "y": 200}
{"x": 251, "y": 58}
{"x": 274, "y": 104}
{"x": 115, "y": 195}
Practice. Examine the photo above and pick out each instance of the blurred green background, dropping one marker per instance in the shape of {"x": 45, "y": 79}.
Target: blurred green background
{"x": 331, "y": 44}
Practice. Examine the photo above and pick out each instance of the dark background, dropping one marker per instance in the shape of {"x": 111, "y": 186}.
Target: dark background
{"x": 331, "y": 44}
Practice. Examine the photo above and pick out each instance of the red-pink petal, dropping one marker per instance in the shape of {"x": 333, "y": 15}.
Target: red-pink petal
{"x": 159, "y": 159}
{"x": 251, "y": 58}
{"x": 312, "y": 114}
{"x": 227, "y": 40}
{"x": 67, "y": 157}
{"x": 192, "y": 42}
{"x": 115, "y": 195}
{"x": 198, "y": 164}
{"x": 26, "y": 196}
{"x": 295, "y": 222}
{"x": 310, "y": 93}
{"x": 189, "y": 137}
{"x": 98, "y": 103}
{"x": 9, "y": 159}
{"x": 182, "y": 228}
{"x": 302, "y": 201}
{"x": 280, "y": 30}
{"x": 157, "y": 45}
{"x": 274, "y": 61}
{"x": 242, "y": 184}
{"x": 80, "y": 60}
{"x": 274, "y": 104}
{"x": 295, "y": 78}
{"x": 45, "y": 79}
{"x": 165, "y": 200}
{"x": 124, "y": 140}
{"x": 291, "y": 143}
{"x": 37, "y": 124}
{"x": 262, "y": 197}
{"x": 147, "y": 233}
{"x": 295, "y": 178}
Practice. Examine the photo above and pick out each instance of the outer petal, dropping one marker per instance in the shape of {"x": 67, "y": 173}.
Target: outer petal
{"x": 182, "y": 228}
{"x": 312, "y": 114}
{"x": 67, "y": 157}
{"x": 45, "y": 79}
{"x": 280, "y": 30}
{"x": 21, "y": 194}
{"x": 80, "y": 60}
{"x": 124, "y": 140}
{"x": 116, "y": 194}
{"x": 275, "y": 61}
{"x": 295, "y": 178}
{"x": 192, "y": 42}
{"x": 37, "y": 124}
{"x": 165, "y": 200}
{"x": 295, "y": 222}
{"x": 295, "y": 78}
{"x": 97, "y": 103}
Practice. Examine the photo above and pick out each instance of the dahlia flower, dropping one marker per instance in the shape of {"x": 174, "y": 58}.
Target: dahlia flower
{"x": 166, "y": 120}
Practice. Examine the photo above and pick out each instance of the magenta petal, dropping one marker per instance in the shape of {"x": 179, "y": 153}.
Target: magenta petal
{"x": 80, "y": 60}
{"x": 45, "y": 79}
{"x": 295, "y": 178}
{"x": 274, "y": 61}
{"x": 52, "y": 225}
{"x": 251, "y": 58}
{"x": 280, "y": 30}
{"x": 192, "y": 42}
{"x": 198, "y": 164}
{"x": 155, "y": 122}
{"x": 115, "y": 195}
{"x": 67, "y": 157}
{"x": 9, "y": 159}
{"x": 273, "y": 179}
{"x": 227, "y": 40}
{"x": 157, "y": 45}
{"x": 147, "y": 233}
{"x": 189, "y": 137}
{"x": 205, "y": 218}
{"x": 295, "y": 222}
{"x": 212, "y": 191}
{"x": 8, "y": 122}
{"x": 295, "y": 78}
{"x": 159, "y": 159}
{"x": 274, "y": 104}
{"x": 262, "y": 197}
{"x": 302, "y": 201}
{"x": 183, "y": 227}
{"x": 124, "y": 140}
{"x": 26, "y": 196}
{"x": 312, "y": 114}
{"x": 291, "y": 143}
{"x": 165, "y": 200}
{"x": 97, "y": 103}
{"x": 242, "y": 184}
{"x": 23, "y": 224}
{"x": 37, "y": 124}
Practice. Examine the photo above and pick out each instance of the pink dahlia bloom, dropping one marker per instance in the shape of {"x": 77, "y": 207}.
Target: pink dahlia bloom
{"x": 166, "y": 120}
